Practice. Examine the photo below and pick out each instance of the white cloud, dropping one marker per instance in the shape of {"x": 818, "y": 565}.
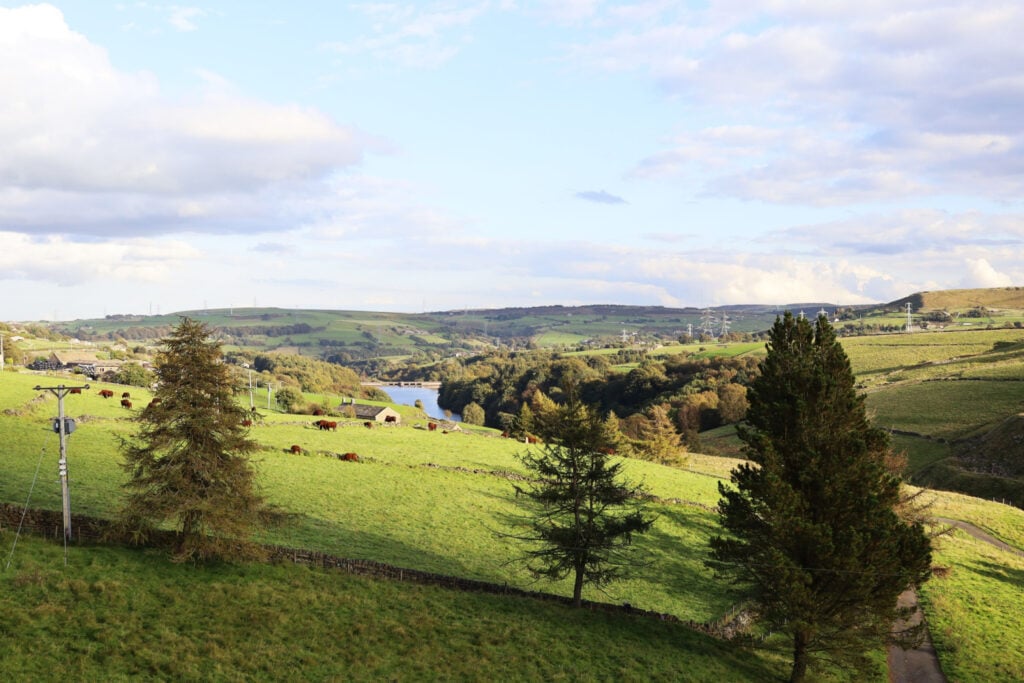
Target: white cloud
{"x": 858, "y": 102}
{"x": 182, "y": 18}
{"x": 75, "y": 128}
{"x": 413, "y": 36}
{"x": 65, "y": 262}
{"x": 980, "y": 273}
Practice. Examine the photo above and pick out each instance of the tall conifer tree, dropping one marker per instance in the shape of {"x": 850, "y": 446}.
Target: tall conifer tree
{"x": 812, "y": 534}
{"x": 188, "y": 461}
{"x": 584, "y": 513}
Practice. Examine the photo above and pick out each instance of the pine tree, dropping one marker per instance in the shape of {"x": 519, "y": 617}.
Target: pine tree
{"x": 584, "y": 516}
{"x": 813, "y": 537}
{"x": 188, "y": 461}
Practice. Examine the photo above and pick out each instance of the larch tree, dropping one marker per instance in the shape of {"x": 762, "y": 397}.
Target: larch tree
{"x": 188, "y": 462}
{"x": 583, "y": 514}
{"x": 812, "y": 535}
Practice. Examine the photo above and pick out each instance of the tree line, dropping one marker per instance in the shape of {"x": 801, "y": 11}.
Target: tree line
{"x": 677, "y": 393}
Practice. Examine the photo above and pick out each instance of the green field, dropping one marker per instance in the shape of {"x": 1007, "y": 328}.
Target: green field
{"x": 422, "y": 500}
{"x": 114, "y": 614}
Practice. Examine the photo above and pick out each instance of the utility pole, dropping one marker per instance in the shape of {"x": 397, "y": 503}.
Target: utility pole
{"x": 63, "y": 426}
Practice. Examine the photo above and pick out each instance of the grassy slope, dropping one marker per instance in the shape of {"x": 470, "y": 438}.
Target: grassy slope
{"x": 943, "y": 385}
{"x": 115, "y": 614}
{"x": 393, "y": 507}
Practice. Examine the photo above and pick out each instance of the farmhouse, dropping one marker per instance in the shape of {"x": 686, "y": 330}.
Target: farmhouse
{"x": 374, "y": 413}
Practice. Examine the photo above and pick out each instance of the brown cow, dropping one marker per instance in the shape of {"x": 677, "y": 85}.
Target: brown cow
{"x": 126, "y": 395}
{"x": 432, "y": 426}
{"x": 350, "y": 457}
{"x": 125, "y": 403}
{"x": 390, "y": 419}
{"x": 247, "y": 423}
{"x": 531, "y": 439}
{"x": 317, "y": 412}
{"x": 368, "y": 425}
{"x": 332, "y": 425}
{"x": 106, "y": 393}
{"x": 296, "y": 448}
{"x": 76, "y": 390}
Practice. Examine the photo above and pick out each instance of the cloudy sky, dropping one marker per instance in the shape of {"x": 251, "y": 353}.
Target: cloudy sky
{"x": 441, "y": 155}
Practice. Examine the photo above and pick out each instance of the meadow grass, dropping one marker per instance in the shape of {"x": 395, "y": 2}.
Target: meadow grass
{"x": 883, "y": 353}
{"x": 974, "y": 613}
{"x": 945, "y": 409}
{"x": 114, "y": 614}
{"x": 920, "y": 452}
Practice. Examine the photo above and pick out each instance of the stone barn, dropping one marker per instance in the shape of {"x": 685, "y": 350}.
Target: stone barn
{"x": 373, "y": 413}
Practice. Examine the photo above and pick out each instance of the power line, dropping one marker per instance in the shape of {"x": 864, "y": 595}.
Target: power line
{"x": 24, "y": 512}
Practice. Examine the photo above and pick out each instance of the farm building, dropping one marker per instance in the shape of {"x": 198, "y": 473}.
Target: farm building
{"x": 70, "y": 359}
{"x": 373, "y": 413}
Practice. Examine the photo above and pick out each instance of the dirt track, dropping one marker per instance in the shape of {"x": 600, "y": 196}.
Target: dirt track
{"x": 921, "y": 665}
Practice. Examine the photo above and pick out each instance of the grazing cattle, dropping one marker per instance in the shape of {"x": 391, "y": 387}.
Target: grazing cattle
{"x": 76, "y": 390}
{"x": 125, "y": 403}
{"x": 324, "y": 425}
{"x": 432, "y": 426}
{"x": 296, "y": 449}
{"x": 350, "y": 457}
{"x": 106, "y": 393}
{"x": 368, "y": 425}
{"x": 126, "y": 395}
{"x": 332, "y": 425}
{"x": 319, "y": 424}
{"x": 390, "y": 419}
{"x": 247, "y": 423}
{"x": 317, "y": 412}
{"x": 531, "y": 439}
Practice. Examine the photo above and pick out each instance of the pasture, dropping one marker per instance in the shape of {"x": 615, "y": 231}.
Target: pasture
{"x": 438, "y": 502}
{"x": 114, "y": 614}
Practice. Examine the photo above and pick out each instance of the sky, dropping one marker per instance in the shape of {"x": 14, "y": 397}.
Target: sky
{"x": 410, "y": 157}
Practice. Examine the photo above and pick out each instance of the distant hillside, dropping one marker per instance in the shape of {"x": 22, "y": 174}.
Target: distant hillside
{"x": 369, "y": 340}
{"x": 964, "y": 299}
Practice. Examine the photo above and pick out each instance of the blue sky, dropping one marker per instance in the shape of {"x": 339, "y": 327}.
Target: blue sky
{"x": 444, "y": 155}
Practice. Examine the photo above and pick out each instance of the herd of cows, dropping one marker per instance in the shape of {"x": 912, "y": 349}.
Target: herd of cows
{"x": 126, "y": 398}
{"x": 321, "y": 424}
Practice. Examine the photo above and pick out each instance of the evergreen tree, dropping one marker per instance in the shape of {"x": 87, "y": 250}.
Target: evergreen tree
{"x": 584, "y": 516}
{"x": 659, "y": 441}
{"x": 188, "y": 461}
{"x": 812, "y": 532}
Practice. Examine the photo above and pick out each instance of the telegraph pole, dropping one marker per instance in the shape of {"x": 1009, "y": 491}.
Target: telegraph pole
{"x": 63, "y": 426}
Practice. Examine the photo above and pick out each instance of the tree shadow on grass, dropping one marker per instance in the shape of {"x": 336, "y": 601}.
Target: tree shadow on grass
{"x": 305, "y": 532}
{"x": 1009, "y": 575}
{"x": 678, "y": 564}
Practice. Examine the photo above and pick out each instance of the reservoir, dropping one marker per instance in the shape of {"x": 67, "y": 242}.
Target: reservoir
{"x": 408, "y": 396}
